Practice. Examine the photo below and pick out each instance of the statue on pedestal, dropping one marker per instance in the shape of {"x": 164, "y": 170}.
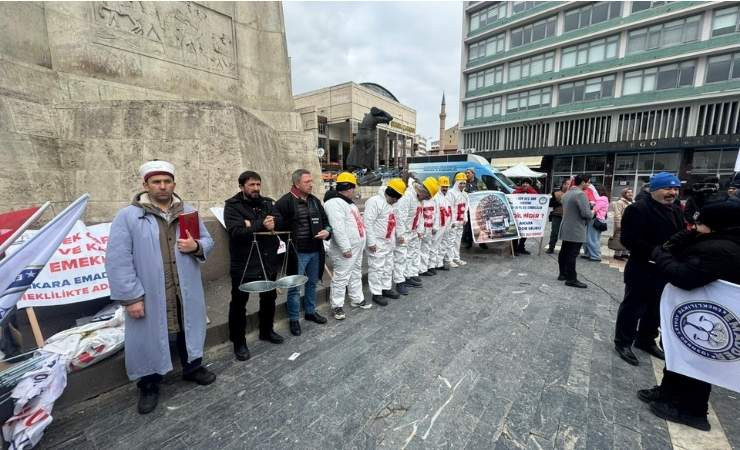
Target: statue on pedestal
{"x": 364, "y": 148}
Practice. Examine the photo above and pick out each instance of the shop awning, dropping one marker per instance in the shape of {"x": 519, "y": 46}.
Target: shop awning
{"x": 505, "y": 163}
{"x": 522, "y": 171}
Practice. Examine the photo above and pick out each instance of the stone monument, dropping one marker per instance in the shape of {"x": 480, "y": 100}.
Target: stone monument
{"x": 90, "y": 90}
{"x": 365, "y": 147}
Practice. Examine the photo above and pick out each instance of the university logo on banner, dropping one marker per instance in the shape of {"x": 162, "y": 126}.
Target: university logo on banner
{"x": 701, "y": 332}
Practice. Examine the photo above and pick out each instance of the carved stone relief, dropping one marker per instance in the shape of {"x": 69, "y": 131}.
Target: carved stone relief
{"x": 185, "y": 33}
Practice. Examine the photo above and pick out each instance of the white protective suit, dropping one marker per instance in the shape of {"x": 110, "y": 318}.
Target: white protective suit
{"x": 448, "y": 240}
{"x": 348, "y": 234}
{"x": 409, "y": 208}
{"x": 380, "y": 218}
{"x": 459, "y": 201}
{"x": 443, "y": 210}
{"x": 401, "y": 249}
{"x": 427, "y": 256}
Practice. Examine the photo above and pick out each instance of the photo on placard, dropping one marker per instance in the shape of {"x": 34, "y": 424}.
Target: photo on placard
{"x": 491, "y": 217}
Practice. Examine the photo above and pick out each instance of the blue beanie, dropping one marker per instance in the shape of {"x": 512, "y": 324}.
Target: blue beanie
{"x": 664, "y": 180}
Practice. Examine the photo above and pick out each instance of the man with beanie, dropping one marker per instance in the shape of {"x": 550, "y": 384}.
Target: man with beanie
{"x": 154, "y": 272}
{"x": 346, "y": 245}
{"x": 301, "y": 213}
{"x": 380, "y": 218}
{"x": 443, "y": 209}
{"x": 247, "y": 213}
{"x": 430, "y": 221}
{"x": 690, "y": 260}
{"x": 576, "y": 214}
{"x": 646, "y": 225}
{"x": 459, "y": 217}
{"x": 413, "y": 224}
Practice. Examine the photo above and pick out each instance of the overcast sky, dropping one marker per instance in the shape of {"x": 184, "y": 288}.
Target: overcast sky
{"x": 410, "y": 48}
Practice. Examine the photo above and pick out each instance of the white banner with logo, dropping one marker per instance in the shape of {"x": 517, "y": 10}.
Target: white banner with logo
{"x": 75, "y": 272}
{"x": 530, "y": 213}
{"x": 701, "y": 332}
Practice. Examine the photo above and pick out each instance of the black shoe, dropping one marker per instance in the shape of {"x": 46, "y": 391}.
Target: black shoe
{"x": 483, "y": 246}
{"x": 585, "y": 257}
{"x": 426, "y": 274}
{"x": 561, "y": 278}
{"x": 295, "y": 328}
{"x": 412, "y": 283}
{"x": 241, "y": 352}
{"x": 576, "y": 283}
{"x": 523, "y": 251}
{"x": 649, "y": 395}
{"x": 651, "y": 348}
{"x": 432, "y": 271}
{"x": 669, "y": 412}
{"x": 380, "y": 300}
{"x": 271, "y": 336}
{"x": 201, "y": 375}
{"x": 626, "y": 354}
{"x": 442, "y": 267}
{"x": 148, "y": 399}
{"x": 390, "y": 293}
{"x": 468, "y": 245}
{"x": 416, "y": 279}
{"x": 402, "y": 288}
{"x": 315, "y": 317}
{"x": 550, "y": 251}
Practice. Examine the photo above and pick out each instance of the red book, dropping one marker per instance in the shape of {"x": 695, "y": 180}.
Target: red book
{"x": 189, "y": 222}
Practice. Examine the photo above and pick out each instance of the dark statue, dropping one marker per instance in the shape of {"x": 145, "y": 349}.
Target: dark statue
{"x": 362, "y": 153}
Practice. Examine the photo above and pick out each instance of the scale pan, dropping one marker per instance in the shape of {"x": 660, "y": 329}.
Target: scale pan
{"x": 257, "y": 286}
{"x": 291, "y": 281}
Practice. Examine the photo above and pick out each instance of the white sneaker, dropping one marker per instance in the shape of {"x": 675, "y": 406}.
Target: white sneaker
{"x": 453, "y": 264}
{"x": 460, "y": 262}
{"x": 363, "y": 304}
{"x": 338, "y": 313}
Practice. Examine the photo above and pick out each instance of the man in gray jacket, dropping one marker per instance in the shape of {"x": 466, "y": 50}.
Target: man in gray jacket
{"x": 576, "y": 214}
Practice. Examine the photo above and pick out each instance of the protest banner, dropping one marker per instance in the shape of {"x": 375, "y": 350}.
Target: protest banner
{"x": 491, "y": 217}
{"x": 75, "y": 272}
{"x": 701, "y": 332}
{"x": 530, "y": 213}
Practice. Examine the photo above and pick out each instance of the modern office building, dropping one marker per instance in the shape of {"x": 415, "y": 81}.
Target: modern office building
{"x": 620, "y": 90}
{"x": 334, "y": 113}
{"x": 420, "y": 146}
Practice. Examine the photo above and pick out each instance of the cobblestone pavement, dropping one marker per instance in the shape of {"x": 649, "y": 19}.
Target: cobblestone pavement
{"x": 494, "y": 355}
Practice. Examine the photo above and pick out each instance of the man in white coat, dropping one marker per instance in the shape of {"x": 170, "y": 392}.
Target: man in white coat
{"x": 154, "y": 271}
{"x": 428, "y": 258}
{"x": 459, "y": 200}
{"x": 406, "y": 216}
{"x": 413, "y": 228}
{"x": 380, "y": 218}
{"x": 443, "y": 209}
{"x": 346, "y": 245}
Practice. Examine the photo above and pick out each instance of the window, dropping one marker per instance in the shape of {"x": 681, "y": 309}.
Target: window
{"x": 590, "y": 52}
{"x": 642, "y": 6}
{"x": 658, "y": 78}
{"x": 531, "y": 67}
{"x": 586, "y": 90}
{"x": 488, "y": 47}
{"x": 591, "y": 15}
{"x": 723, "y": 68}
{"x": 534, "y": 99}
{"x": 664, "y": 35}
{"x": 725, "y": 21}
{"x": 518, "y": 7}
{"x": 533, "y": 32}
{"x": 487, "y": 16}
{"x": 485, "y": 78}
{"x": 483, "y": 108}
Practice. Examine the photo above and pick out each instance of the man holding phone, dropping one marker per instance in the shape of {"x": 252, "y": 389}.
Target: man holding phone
{"x": 246, "y": 213}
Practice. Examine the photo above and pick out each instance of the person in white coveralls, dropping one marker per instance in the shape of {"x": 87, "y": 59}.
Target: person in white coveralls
{"x": 459, "y": 201}
{"x": 443, "y": 210}
{"x": 346, "y": 245}
{"x": 430, "y": 220}
{"x": 412, "y": 223}
{"x": 380, "y": 217}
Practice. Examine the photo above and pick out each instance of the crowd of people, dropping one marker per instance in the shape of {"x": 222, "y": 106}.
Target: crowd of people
{"x": 410, "y": 229}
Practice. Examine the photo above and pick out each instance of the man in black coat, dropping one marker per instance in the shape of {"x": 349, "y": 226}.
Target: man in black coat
{"x": 301, "y": 213}
{"x": 646, "y": 225}
{"x": 245, "y": 213}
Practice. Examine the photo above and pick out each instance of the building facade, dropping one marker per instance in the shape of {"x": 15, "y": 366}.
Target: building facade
{"x": 420, "y": 145}
{"x": 334, "y": 113}
{"x": 619, "y": 90}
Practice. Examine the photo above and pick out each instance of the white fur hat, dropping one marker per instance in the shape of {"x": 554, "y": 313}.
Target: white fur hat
{"x": 156, "y": 167}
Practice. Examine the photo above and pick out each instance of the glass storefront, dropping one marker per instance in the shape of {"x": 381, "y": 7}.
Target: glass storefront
{"x": 565, "y": 167}
{"x": 634, "y": 170}
{"x": 713, "y": 163}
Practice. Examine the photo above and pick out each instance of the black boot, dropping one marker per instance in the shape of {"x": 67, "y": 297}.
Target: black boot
{"x": 295, "y": 328}
{"x": 241, "y": 352}
{"x": 626, "y": 354}
{"x": 271, "y": 336}
{"x": 315, "y": 317}
{"x": 201, "y": 375}
{"x": 380, "y": 300}
{"x": 148, "y": 398}
{"x": 652, "y": 348}
{"x": 413, "y": 283}
{"x": 390, "y": 293}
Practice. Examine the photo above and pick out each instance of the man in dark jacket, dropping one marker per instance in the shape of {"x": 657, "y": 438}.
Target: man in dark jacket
{"x": 471, "y": 185}
{"x": 302, "y": 214}
{"x": 646, "y": 225}
{"x": 245, "y": 213}
{"x": 689, "y": 260}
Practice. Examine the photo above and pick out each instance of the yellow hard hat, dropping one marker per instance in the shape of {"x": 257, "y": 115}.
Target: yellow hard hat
{"x": 346, "y": 177}
{"x": 431, "y": 185}
{"x": 444, "y": 181}
{"x": 460, "y": 177}
{"x": 397, "y": 185}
